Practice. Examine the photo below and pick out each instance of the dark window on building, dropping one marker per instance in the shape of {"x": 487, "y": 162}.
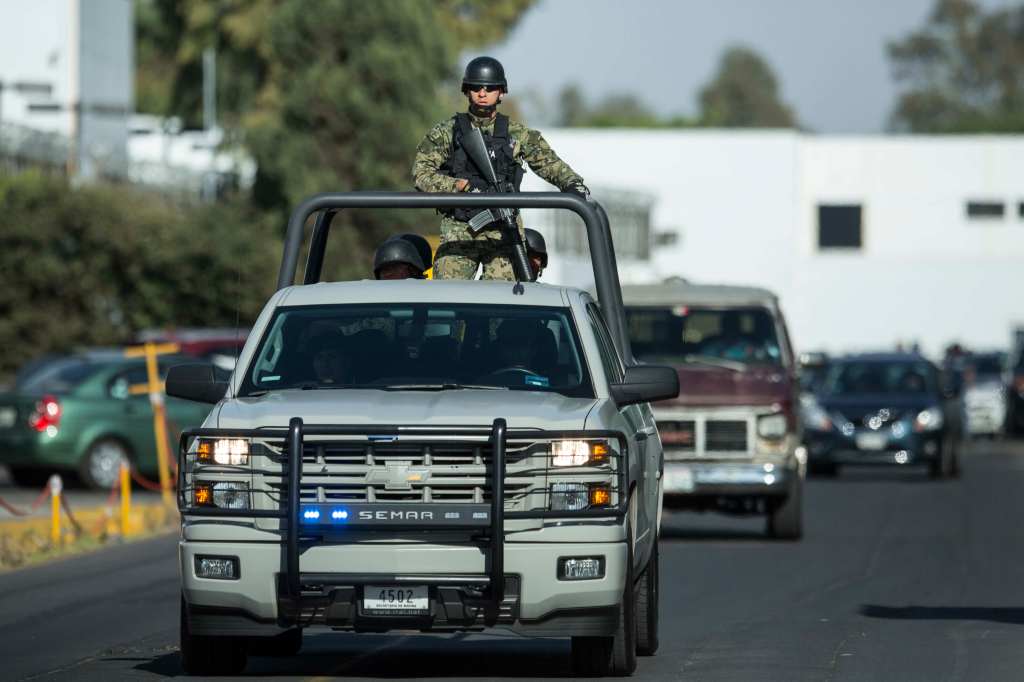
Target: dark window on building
{"x": 985, "y": 209}
{"x": 839, "y": 226}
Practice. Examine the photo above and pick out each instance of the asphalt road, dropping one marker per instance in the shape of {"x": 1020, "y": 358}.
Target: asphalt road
{"x": 898, "y": 578}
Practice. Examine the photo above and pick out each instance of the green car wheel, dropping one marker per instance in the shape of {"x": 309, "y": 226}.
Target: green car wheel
{"x": 102, "y": 463}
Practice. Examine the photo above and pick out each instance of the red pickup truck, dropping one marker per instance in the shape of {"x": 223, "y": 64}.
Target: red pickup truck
{"x": 732, "y": 437}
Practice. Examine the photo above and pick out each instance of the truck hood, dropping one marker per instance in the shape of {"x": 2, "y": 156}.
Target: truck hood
{"x": 521, "y": 409}
{"x": 706, "y": 386}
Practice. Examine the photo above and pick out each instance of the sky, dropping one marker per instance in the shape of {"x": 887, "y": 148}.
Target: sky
{"x": 829, "y": 55}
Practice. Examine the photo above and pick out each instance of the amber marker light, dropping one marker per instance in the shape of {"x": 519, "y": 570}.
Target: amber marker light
{"x": 599, "y": 453}
{"x": 204, "y": 451}
{"x": 203, "y": 495}
{"x": 600, "y": 496}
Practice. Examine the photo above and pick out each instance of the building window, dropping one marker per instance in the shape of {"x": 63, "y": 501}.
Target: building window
{"x": 629, "y": 214}
{"x": 985, "y": 209}
{"x": 839, "y": 226}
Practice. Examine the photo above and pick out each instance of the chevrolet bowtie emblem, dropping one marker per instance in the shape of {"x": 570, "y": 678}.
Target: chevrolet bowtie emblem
{"x": 397, "y": 475}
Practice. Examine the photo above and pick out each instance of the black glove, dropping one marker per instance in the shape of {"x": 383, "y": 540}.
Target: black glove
{"x": 579, "y": 189}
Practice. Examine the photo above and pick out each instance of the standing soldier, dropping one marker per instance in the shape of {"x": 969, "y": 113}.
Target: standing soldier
{"x": 442, "y": 165}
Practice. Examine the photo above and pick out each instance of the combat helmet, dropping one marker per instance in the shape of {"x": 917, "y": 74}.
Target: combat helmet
{"x": 397, "y": 250}
{"x": 535, "y": 244}
{"x": 484, "y": 71}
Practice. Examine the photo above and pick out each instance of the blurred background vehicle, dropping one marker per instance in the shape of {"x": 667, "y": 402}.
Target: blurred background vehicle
{"x": 78, "y": 414}
{"x": 813, "y": 367}
{"x": 731, "y": 436}
{"x": 219, "y": 346}
{"x": 884, "y": 408}
{"x": 985, "y": 394}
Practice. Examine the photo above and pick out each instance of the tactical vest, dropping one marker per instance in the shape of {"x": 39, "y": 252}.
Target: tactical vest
{"x": 459, "y": 165}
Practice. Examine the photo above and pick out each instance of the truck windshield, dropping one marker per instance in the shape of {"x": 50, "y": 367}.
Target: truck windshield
{"x": 685, "y": 334}
{"x": 420, "y": 347}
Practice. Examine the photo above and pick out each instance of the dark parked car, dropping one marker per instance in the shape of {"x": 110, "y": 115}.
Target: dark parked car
{"x": 76, "y": 414}
{"x": 893, "y": 408}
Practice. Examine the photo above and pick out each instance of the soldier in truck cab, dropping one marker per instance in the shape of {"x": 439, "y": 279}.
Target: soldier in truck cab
{"x": 399, "y": 258}
{"x": 536, "y": 251}
{"x": 442, "y": 165}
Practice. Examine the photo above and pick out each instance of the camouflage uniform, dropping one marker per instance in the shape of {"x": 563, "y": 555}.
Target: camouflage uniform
{"x": 461, "y": 251}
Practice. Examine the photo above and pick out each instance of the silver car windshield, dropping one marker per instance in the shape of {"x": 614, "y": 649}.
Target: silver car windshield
{"x": 427, "y": 347}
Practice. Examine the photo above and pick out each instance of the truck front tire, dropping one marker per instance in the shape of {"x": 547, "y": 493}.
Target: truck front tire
{"x": 785, "y": 521}
{"x": 209, "y": 655}
{"x": 647, "y": 607}
{"x": 600, "y": 656}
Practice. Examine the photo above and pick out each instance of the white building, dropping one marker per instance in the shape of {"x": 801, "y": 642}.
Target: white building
{"x": 67, "y": 68}
{"x": 869, "y": 240}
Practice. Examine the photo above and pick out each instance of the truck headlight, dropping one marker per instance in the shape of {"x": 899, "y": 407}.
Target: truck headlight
{"x": 578, "y": 496}
{"x": 928, "y": 420}
{"x": 224, "y": 494}
{"x": 569, "y": 496}
{"x": 231, "y": 495}
{"x": 574, "y": 453}
{"x": 772, "y": 426}
{"x": 230, "y": 451}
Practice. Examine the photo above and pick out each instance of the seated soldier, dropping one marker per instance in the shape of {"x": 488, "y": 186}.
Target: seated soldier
{"x": 536, "y": 251}
{"x": 398, "y": 258}
{"x": 332, "y": 363}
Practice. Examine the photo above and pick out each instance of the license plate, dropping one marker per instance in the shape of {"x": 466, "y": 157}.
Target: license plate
{"x": 872, "y": 441}
{"x": 679, "y": 479}
{"x": 7, "y": 417}
{"x": 730, "y": 475}
{"x": 396, "y": 600}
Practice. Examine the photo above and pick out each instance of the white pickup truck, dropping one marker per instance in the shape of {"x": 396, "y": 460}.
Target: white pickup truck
{"x": 424, "y": 455}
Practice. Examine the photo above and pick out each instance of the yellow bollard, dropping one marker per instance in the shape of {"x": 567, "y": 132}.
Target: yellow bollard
{"x": 56, "y": 488}
{"x": 126, "y": 498}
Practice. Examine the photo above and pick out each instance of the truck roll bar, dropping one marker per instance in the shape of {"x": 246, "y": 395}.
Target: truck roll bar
{"x": 599, "y": 236}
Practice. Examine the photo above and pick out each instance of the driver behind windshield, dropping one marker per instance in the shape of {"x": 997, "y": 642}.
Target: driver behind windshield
{"x": 332, "y": 365}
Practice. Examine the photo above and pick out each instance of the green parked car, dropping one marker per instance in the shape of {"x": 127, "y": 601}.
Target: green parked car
{"x": 75, "y": 414}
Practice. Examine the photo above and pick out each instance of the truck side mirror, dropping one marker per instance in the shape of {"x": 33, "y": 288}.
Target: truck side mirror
{"x": 644, "y": 384}
{"x": 198, "y": 382}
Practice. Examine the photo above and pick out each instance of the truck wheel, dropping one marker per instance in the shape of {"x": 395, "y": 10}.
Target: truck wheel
{"x": 288, "y": 643}
{"x": 599, "y": 656}
{"x": 785, "y": 522}
{"x": 101, "y": 465}
{"x": 647, "y": 607}
{"x": 209, "y": 655}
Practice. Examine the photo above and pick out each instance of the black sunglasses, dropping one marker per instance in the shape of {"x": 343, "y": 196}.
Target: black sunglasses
{"x": 488, "y": 88}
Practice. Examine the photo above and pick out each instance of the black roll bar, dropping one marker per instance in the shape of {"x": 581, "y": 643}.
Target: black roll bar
{"x": 602, "y": 251}
{"x": 497, "y": 544}
{"x": 294, "y": 476}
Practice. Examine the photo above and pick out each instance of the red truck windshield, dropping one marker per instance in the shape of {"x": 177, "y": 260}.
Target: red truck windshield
{"x": 681, "y": 335}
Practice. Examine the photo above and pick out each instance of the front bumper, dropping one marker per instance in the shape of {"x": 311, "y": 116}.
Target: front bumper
{"x": 534, "y": 601}
{"x": 872, "y": 447}
{"x": 727, "y": 479}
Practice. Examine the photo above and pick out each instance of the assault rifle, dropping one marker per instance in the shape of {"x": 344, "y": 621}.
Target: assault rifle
{"x": 476, "y": 149}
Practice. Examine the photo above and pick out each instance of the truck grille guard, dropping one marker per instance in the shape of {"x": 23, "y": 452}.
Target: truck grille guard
{"x": 488, "y": 518}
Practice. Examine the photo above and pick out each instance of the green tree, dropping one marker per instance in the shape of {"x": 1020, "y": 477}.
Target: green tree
{"x": 617, "y": 110}
{"x": 92, "y": 265}
{"x": 961, "y": 72}
{"x": 744, "y": 93}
